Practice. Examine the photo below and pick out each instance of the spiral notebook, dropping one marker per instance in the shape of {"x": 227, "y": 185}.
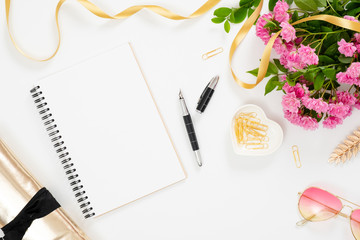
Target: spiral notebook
{"x": 107, "y": 131}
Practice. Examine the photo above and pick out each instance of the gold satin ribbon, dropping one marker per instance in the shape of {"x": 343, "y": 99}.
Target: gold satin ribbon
{"x": 100, "y": 13}
{"x": 264, "y": 63}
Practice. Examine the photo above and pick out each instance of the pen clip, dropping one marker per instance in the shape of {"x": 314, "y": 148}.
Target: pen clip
{"x": 203, "y": 93}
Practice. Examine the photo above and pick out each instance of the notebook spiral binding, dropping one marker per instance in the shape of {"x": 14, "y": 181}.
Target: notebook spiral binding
{"x": 63, "y": 155}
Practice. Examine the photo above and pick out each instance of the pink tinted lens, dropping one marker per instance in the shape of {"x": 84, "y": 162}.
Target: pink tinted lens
{"x": 355, "y": 223}
{"x": 318, "y": 205}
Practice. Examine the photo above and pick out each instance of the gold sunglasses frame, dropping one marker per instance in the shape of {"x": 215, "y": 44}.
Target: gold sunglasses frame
{"x": 304, "y": 221}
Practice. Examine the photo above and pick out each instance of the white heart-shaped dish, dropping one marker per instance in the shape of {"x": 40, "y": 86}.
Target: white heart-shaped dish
{"x": 274, "y": 132}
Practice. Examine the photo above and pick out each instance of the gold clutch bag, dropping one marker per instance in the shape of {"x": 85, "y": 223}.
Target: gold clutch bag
{"x": 17, "y": 187}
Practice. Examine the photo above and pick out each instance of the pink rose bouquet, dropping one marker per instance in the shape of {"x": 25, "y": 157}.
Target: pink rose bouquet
{"x": 318, "y": 67}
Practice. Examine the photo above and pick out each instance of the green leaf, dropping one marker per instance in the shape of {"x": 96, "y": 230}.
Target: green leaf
{"x": 310, "y": 75}
{"x": 332, "y": 50}
{"x": 272, "y": 4}
{"x": 326, "y": 29}
{"x": 256, "y": 3}
{"x": 222, "y": 12}
{"x": 315, "y": 23}
{"x": 345, "y": 36}
{"x": 321, "y": 3}
{"x": 227, "y": 26}
{"x": 330, "y": 73}
{"x": 290, "y": 81}
{"x": 296, "y": 75}
{"x": 243, "y": 2}
{"x": 255, "y": 72}
{"x": 352, "y": 5}
{"x": 307, "y": 5}
{"x": 270, "y": 25}
{"x": 331, "y": 39}
{"x": 289, "y": 1}
{"x": 295, "y": 16}
{"x": 250, "y": 12}
{"x": 291, "y": 78}
{"x": 319, "y": 81}
{"x": 326, "y": 60}
{"x": 272, "y": 69}
{"x": 271, "y": 84}
{"x": 232, "y": 17}
{"x": 353, "y": 12}
{"x": 347, "y": 60}
{"x": 240, "y": 15}
{"x": 217, "y": 20}
{"x": 279, "y": 66}
{"x": 338, "y": 5}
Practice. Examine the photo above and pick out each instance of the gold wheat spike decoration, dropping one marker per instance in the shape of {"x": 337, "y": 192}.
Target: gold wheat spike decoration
{"x": 346, "y": 150}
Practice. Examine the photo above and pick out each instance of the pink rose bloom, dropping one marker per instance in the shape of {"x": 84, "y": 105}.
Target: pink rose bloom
{"x": 345, "y": 78}
{"x": 332, "y": 122}
{"x": 346, "y": 98}
{"x": 357, "y": 104}
{"x": 351, "y": 76}
{"x": 282, "y": 47}
{"x": 283, "y": 60}
{"x": 354, "y": 70}
{"x": 287, "y": 88}
{"x": 348, "y": 49}
{"x": 357, "y": 37}
{"x": 357, "y": 45}
{"x": 309, "y": 123}
{"x": 348, "y": 113}
{"x": 262, "y": 32}
{"x": 357, "y": 101}
{"x": 290, "y": 46}
{"x": 339, "y": 110}
{"x": 351, "y": 18}
{"x": 280, "y": 11}
{"x": 306, "y": 122}
{"x": 288, "y": 32}
{"x": 305, "y": 83}
{"x": 279, "y": 47}
{"x": 318, "y": 105}
{"x": 293, "y": 61}
{"x": 308, "y": 55}
{"x": 299, "y": 40}
{"x": 290, "y": 102}
{"x": 283, "y": 78}
{"x": 297, "y": 89}
{"x": 294, "y": 118}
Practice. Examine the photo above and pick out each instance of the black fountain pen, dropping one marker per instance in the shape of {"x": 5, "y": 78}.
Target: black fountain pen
{"x": 190, "y": 129}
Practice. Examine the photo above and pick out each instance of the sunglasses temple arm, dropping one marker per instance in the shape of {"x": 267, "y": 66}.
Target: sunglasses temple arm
{"x": 302, "y": 223}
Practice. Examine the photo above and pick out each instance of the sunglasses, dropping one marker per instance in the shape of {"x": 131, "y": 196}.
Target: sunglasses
{"x": 317, "y": 205}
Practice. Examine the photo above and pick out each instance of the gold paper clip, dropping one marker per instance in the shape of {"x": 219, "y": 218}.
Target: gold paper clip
{"x": 295, "y": 151}
{"x": 212, "y": 53}
{"x": 256, "y": 145}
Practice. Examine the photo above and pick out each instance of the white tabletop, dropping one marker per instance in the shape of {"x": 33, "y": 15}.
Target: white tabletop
{"x": 230, "y": 197}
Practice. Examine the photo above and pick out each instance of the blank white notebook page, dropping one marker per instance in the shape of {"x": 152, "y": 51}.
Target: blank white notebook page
{"x": 112, "y": 129}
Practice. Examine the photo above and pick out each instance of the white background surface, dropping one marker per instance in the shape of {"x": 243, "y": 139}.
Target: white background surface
{"x": 230, "y": 197}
